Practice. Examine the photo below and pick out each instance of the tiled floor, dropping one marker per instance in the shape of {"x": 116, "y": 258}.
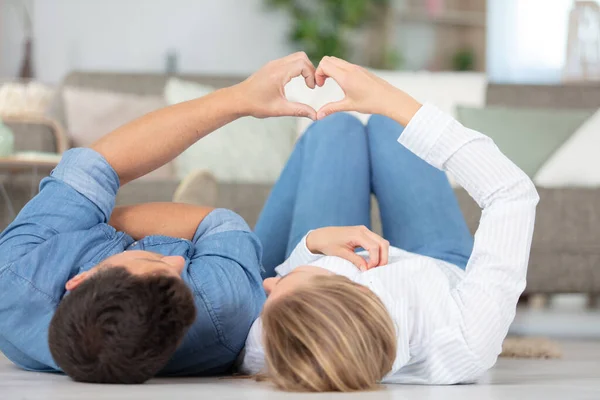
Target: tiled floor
{"x": 576, "y": 376}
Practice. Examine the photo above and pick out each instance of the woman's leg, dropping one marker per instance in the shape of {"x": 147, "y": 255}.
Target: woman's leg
{"x": 325, "y": 183}
{"x": 419, "y": 211}
{"x": 275, "y": 221}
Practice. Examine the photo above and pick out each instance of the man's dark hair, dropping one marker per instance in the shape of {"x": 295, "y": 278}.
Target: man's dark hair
{"x": 117, "y": 327}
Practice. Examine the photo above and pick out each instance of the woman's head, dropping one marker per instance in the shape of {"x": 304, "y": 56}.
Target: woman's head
{"x": 327, "y": 334}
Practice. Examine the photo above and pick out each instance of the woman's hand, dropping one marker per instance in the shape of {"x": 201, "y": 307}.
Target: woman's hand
{"x": 343, "y": 240}
{"x": 262, "y": 95}
{"x": 365, "y": 92}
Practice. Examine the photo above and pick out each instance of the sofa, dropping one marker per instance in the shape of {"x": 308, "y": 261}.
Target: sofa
{"x": 565, "y": 256}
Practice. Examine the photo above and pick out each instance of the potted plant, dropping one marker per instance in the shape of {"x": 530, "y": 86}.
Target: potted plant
{"x": 325, "y": 27}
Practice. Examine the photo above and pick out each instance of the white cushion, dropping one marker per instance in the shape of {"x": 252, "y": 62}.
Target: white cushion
{"x": 247, "y": 150}
{"x": 178, "y": 91}
{"x": 576, "y": 163}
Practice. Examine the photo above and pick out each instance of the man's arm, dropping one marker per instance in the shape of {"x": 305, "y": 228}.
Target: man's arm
{"x": 146, "y": 144}
{"x": 80, "y": 193}
{"x": 167, "y": 219}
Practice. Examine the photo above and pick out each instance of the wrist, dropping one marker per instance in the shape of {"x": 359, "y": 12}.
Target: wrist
{"x": 401, "y": 107}
{"x": 311, "y": 242}
{"x": 238, "y": 98}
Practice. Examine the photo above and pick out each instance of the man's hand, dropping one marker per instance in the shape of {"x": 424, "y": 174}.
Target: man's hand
{"x": 262, "y": 95}
{"x": 365, "y": 92}
{"x": 342, "y": 241}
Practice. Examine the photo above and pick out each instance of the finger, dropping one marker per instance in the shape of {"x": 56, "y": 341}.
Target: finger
{"x": 320, "y": 77}
{"x": 384, "y": 258}
{"x": 371, "y": 246}
{"x": 331, "y": 108}
{"x": 294, "y": 109}
{"x": 295, "y": 56}
{"x": 327, "y": 69}
{"x": 374, "y": 249}
{"x": 301, "y": 67}
{"x": 342, "y": 64}
{"x": 354, "y": 258}
{"x": 384, "y": 248}
{"x": 308, "y": 72}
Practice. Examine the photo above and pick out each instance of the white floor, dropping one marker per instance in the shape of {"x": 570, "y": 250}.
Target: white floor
{"x": 576, "y": 376}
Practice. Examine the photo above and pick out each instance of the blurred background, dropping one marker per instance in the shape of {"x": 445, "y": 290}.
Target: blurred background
{"x": 525, "y": 72}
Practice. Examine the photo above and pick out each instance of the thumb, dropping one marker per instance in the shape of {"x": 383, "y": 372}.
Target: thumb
{"x": 331, "y": 108}
{"x": 294, "y": 109}
{"x": 354, "y": 258}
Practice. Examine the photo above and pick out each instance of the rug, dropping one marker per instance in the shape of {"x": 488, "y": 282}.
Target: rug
{"x": 530, "y": 347}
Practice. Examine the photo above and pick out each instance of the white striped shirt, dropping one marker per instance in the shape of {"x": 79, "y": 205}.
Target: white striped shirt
{"x": 450, "y": 323}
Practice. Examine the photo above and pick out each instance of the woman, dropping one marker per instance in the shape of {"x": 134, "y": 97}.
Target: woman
{"x": 431, "y": 306}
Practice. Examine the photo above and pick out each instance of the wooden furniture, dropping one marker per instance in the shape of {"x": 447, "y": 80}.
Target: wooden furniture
{"x": 60, "y": 137}
{"x": 434, "y": 37}
{"x": 32, "y": 163}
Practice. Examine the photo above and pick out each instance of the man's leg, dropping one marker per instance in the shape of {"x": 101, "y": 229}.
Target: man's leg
{"x": 325, "y": 183}
{"x": 419, "y": 211}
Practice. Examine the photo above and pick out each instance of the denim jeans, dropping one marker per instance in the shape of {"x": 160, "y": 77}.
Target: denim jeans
{"x": 328, "y": 181}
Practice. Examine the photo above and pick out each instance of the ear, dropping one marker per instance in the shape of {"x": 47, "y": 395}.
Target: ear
{"x": 269, "y": 284}
{"x": 76, "y": 280}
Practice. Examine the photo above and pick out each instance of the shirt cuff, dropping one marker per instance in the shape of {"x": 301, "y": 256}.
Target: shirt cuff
{"x": 435, "y": 136}
{"x": 300, "y": 256}
{"x": 220, "y": 220}
{"x": 88, "y": 172}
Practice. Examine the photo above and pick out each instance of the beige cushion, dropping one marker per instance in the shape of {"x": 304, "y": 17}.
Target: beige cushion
{"x": 92, "y": 114}
{"x": 31, "y": 98}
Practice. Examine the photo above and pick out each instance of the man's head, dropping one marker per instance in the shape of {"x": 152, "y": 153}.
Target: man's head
{"x": 323, "y": 332}
{"x": 123, "y": 320}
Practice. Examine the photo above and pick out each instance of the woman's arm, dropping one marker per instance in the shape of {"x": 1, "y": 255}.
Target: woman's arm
{"x": 486, "y": 299}
{"x": 339, "y": 241}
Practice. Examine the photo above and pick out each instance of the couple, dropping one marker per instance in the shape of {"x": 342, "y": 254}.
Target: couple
{"x": 119, "y": 295}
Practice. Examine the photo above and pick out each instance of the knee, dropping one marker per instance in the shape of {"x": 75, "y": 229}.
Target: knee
{"x": 382, "y": 131}
{"x": 336, "y": 127}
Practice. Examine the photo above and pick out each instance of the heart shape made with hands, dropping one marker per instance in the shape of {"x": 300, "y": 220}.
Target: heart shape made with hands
{"x": 298, "y": 91}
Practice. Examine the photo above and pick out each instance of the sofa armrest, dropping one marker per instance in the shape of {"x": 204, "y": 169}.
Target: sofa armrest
{"x": 565, "y": 253}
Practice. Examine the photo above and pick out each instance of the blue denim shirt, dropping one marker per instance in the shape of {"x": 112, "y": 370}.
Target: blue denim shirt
{"x": 63, "y": 231}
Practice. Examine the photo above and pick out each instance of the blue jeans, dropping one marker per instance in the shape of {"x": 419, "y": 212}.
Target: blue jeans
{"x": 328, "y": 181}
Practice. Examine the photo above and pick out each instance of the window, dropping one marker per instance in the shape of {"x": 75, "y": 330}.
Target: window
{"x": 527, "y": 40}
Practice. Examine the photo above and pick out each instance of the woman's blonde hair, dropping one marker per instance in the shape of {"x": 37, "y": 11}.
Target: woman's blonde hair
{"x": 330, "y": 334}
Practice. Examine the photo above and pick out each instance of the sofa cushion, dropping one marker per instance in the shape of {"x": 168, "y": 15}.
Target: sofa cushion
{"x": 527, "y": 136}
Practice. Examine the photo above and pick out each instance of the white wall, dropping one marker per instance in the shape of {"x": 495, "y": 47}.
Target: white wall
{"x": 212, "y": 36}
{"x": 12, "y": 36}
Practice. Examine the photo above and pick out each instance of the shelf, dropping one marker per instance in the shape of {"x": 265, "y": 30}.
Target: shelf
{"x": 455, "y": 18}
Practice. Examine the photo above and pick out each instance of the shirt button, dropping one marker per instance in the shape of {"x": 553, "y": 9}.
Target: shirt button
{"x": 134, "y": 244}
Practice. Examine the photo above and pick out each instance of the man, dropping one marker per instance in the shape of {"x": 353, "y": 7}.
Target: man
{"x": 119, "y": 295}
